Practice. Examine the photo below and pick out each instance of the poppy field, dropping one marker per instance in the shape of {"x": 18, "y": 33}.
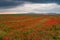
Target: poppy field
{"x": 29, "y": 27}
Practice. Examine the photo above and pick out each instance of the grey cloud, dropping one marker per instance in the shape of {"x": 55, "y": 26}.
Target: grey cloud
{"x": 35, "y": 8}
{"x": 5, "y": 6}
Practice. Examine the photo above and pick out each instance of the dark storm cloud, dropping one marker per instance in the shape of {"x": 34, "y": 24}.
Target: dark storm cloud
{"x": 13, "y": 3}
{"x": 44, "y": 1}
{"x": 8, "y": 3}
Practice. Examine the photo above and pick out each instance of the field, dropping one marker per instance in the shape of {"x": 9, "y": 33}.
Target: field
{"x": 29, "y": 27}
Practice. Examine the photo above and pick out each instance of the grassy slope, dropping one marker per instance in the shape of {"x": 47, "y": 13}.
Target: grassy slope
{"x": 29, "y": 27}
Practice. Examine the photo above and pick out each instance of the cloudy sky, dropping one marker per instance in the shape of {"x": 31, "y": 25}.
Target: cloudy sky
{"x": 30, "y": 6}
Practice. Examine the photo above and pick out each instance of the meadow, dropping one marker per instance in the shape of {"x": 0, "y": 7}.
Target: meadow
{"x": 29, "y": 27}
